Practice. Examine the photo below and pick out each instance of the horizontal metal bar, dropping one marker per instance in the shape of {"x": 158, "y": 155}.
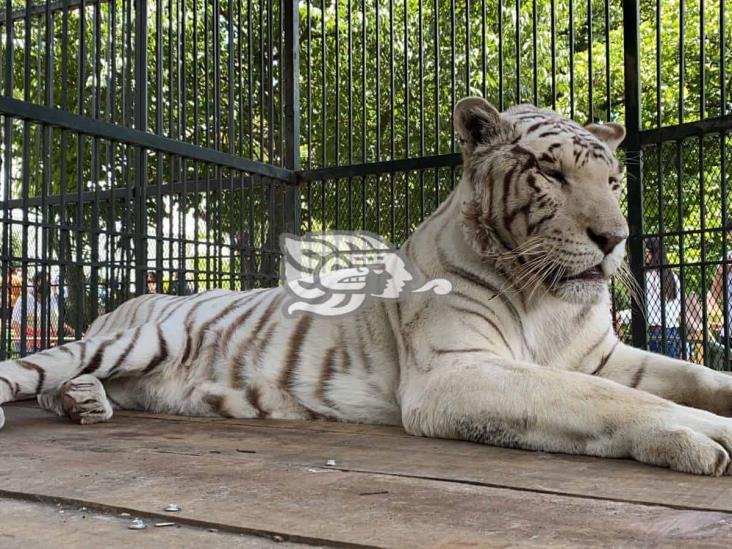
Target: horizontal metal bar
{"x": 387, "y": 166}
{"x": 699, "y": 128}
{"x": 122, "y": 134}
{"x": 40, "y": 9}
{"x": 151, "y": 191}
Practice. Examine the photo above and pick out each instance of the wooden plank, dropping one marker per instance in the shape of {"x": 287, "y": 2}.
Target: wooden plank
{"x": 382, "y": 449}
{"x": 207, "y": 467}
{"x": 32, "y": 525}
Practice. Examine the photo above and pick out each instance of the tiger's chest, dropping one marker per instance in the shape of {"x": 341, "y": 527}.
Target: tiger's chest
{"x": 555, "y": 334}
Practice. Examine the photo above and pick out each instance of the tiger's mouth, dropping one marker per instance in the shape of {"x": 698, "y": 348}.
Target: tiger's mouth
{"x": 593, "y": 274}
{"x": 590, "y": 275}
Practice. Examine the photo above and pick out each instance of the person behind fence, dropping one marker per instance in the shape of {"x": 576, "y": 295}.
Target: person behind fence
{"x": 151, "y": 283}
{"x": 33, "y": 311}
{"x": 721, "y": 290}
{"x": 663, "y": 299}
{"x": 15, "y": 287}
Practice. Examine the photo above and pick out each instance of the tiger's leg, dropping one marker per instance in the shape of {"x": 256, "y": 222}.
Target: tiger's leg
{"x": 479, "y": 397}
{"x": 136, "y": 352}
{"x": 86, "y": 400}
{"x": 682, "y": 382}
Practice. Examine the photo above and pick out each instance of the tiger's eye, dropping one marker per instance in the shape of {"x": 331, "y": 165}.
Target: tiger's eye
{"x": 556, "y": 174}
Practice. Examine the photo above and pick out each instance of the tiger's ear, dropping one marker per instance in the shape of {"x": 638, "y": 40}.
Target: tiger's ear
{"x": 477, "y": 122}
{"x": 612, "y": 134}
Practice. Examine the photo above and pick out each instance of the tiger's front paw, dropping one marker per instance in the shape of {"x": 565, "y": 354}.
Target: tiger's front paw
{"x": 2, "y": 418}
{"x": 691, "y": 441}
{"x": 85, "y": 401}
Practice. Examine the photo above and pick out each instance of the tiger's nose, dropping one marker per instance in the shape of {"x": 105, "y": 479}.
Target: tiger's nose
{"x": 605, "y": 241}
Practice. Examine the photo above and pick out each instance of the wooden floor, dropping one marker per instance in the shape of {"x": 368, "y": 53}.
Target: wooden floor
{"x": 258, "y": 482}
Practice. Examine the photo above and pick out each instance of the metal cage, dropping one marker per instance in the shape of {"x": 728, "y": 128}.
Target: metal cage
{"x": 163, "y": 145}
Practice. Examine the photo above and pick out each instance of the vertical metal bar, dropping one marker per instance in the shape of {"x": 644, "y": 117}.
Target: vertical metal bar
{"x": 9, "y": 52}
{"x": 725, "y": 247}
{"x": 377, "y": 102}
{"x": 63, "y": 144}
{"x": 46, "y": 211}
{"x": 216, "y": 43}
{"x": 112, "y": 214}
{"x": 608, "y": 97}
{"x": 270, "y": 87}
{"x": 660, "y": 185}
{"x": 323, "y": 85}
{"x": 662, "y": 242}
{"x": 279, "y": 79}
{"x": 406, "y": 76}
{"x": 703, "y": 251}
{"x": 534, "y": 41}
{"x": 349, "y": 19}
{"x": 80, "y": 323}
{"x": 7, "y": 229}
{"x": 229, "y": 76}
{"x": 436, "y": 31}
{"x": 500, "y": 56}
{"x": 421, "y": 118}
{"x": 337, "y": 106}
{"x": 95, "y": 160}
{"x": 590, "y": 94}
{"x": 182, "y": 82}
{"x": 702, "y": 190}
{"x": 27, "y": 31}
{"x": 291, "y": 75}
{"x": 140, "y": 225}
{"x": 7, "y": 168}
{"x": 682, "y": 64}
{"x": 452, "y": 72}
{"x": 250, "y": 79}
{"x": 377, "y": 107}
{"x": 631, "y": 37}
{"x": 25, "y": 190}
{"x": 159, "y": 129}
{"x": 517, "y": 52}
{"x": 25, "y": 183}
{"x": 207, "y": 77}
{"x": 392, "y": 92}
{"x": 467, "y": 47}
{"x": 207, "y": 210}
{"x": 659, "y": 106}
{"x": 723, "y": 59}
{"x": 553, "y": 48}
{"x": 196, "y": 123}
{"x": 309, "y": 90}
{"x": 483, "y": 44}
{"x": 242, "y": 115}
{"x": 364, "y": 122}
{"x": 702, "y": 61}
{"x": 571, "y": 58}
{"x": 682, "y": 259}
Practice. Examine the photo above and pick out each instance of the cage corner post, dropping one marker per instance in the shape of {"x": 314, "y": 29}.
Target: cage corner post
{"x": 141, "y": 106}
{"x": 291, "y": 68}
{"x": 634, "y": 156}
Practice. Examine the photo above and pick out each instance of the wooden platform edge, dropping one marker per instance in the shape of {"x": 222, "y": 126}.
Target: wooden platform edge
{"x": 33, "y": 497}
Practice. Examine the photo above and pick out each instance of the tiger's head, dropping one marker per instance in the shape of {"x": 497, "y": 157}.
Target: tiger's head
{"x": 541, "y": 197}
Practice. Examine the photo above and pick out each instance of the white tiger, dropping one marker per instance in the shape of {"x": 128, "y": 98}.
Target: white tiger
{"x": 521, "y": 353}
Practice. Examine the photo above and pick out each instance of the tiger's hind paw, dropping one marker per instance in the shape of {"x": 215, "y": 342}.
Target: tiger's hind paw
{"x": 85, "y": 401}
